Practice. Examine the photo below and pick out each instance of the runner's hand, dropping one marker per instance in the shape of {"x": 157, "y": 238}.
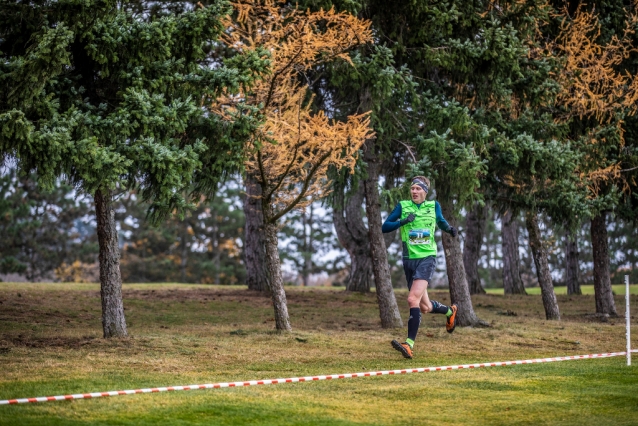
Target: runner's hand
{"x": 453, "y": 232}
{"x": 408, "y": 219}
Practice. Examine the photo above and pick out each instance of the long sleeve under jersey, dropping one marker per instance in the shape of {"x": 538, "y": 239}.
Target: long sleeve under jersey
{"x": 392, "y": 222}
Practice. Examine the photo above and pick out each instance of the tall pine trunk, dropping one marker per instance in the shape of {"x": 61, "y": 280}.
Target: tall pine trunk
{"x": 474, "y": 230}
{"x": 602, "y": 282}
{"x": 353, "y": 236}
{"x": 184, "y": 251}
{"x": 254, "y": 244}
{"x": 113, "y": 320}
{"x": 542, "y": 267}
{"x": 512, "y": 282}
{"x": 388, "y": 309}
{"x": 572, "y": 273}
{"x": 308, "y": 246}
{"x": 459, "y": 288}
{"x": 216, "y": 253}
{"x": 274, "y": 278}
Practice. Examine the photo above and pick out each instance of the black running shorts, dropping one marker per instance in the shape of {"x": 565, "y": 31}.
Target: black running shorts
{"x": 419, "y": 269}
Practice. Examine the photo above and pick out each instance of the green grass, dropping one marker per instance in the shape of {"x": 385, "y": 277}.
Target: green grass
{"x": 586, "y": 289}
{"x": 186, "y": 334}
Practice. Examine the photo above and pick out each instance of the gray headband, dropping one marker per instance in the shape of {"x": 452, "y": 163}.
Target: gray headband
{"x": 420, "y": 183}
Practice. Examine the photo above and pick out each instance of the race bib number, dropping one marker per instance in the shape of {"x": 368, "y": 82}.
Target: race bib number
{"x": 419, "y": 236}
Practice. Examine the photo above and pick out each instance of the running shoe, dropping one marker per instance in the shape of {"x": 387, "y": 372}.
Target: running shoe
{"x": 404, "y": 348}
{"x": 450, "y": 325}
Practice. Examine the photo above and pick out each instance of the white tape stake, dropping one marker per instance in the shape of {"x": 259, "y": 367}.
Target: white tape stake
{"x": 628, "y": 320}
{"x": 305, "y": 379}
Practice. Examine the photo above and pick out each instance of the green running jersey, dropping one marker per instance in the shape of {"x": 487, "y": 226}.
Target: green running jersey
{"x": 418, "y": 236}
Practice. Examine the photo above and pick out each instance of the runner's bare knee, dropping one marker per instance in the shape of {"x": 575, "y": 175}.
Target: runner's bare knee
{"x": 413, "y": 300}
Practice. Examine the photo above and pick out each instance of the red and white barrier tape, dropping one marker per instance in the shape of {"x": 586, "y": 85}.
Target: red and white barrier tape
{"x": 305, "y": 379}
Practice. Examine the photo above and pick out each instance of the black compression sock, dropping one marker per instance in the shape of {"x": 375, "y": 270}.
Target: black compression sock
{"x": 413, "y": 323}
{"x": 439, "y": 308}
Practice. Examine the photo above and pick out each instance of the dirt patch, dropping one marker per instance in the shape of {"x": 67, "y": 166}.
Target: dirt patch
{"x": 199, "y": 295}
{"x": 46, "y": 342}
{"x": 594, "y": 318}
{"x": 254, "y": 298}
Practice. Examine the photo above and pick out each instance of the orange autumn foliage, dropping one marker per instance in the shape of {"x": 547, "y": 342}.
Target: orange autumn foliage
{"x": 594, "y": 85}
{"x": 290, "y": 154}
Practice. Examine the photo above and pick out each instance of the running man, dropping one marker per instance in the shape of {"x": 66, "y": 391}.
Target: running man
{"x": 417, "y": 219}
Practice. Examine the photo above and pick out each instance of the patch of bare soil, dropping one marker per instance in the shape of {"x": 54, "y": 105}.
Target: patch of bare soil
{"x": 199, "y": 295}
{"x": 254, "y": 298}
{"x": 593, "y": 318}
{"x": 34, "y": 314}
{"x": 45, "y": 342}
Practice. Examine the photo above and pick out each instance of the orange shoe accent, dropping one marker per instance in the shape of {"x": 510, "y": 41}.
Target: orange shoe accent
{"x": 404, "y": 348}
{"x": 450, "y": 324}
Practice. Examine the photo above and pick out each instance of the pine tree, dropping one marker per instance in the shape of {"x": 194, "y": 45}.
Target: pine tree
{"x": 455, "y": 64}
{"x": 114, "y": 100}
{"x": 377, "y": 85}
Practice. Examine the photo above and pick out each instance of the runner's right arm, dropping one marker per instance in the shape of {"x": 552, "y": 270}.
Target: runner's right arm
{"x": 393, "y": 221}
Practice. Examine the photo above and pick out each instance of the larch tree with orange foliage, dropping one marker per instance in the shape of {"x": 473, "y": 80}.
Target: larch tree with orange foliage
{"x": 289, "y": 156}
{"x": 600, "y": 94}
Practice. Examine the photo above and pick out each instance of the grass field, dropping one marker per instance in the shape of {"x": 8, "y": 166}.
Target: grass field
{"x": 50, "y": 344}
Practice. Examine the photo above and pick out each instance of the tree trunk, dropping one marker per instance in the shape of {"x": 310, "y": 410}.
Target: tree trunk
{"x": 353, "y": 236}
{"x": 254, "y": 245}
{"x": 602, "y": 282}
{"x": 113, "y": 321}
{"x": 474, "y": 229}
{"x": 571, "y": 263}
{"x": 274, "y": 278}
{"x": 184, "y": 254}
{"x": 388, "y": 309}
{"x": 542, "y": 267}
{"x": 512, "y": 283}
{"x": 218, "y": 253}
{"x": 308, "y": 246}
{"x": 459, "y": 289}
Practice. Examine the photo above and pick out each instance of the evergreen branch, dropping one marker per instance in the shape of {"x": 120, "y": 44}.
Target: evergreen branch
{"x": 408, "y": 147}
